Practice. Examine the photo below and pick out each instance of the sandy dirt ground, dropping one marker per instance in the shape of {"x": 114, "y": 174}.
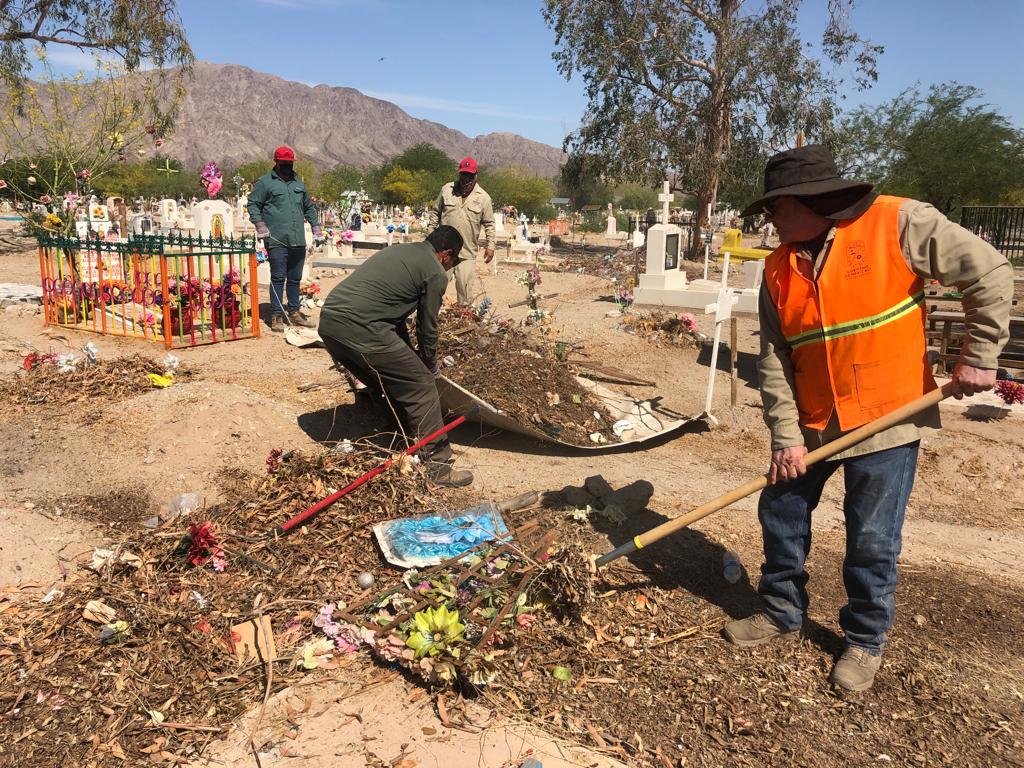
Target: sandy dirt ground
{"x": 965, "y": 521}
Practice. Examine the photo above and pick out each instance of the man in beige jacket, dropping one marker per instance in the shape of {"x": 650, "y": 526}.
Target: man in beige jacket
{"x": 465, "y": 205}
{"x": 842, "y": 343}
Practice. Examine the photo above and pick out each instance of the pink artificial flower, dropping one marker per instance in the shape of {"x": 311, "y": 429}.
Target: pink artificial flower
{"x": 85, "y": 173}
{"x": 526, "y": 620}
{"x": 158, "y": 143}
{"x": 214, "y": 187}
{"x": 3, "y": 184}
{"x": 1010, "y": 392}
{"x": 45, "y": 199}
{"x": 33, "y": 166}
{"x": 150, "y": 129}
{"x": 688, "y": 321}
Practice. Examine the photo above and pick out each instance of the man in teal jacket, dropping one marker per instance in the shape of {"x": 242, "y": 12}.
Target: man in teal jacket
{"x": 278, "y": 204}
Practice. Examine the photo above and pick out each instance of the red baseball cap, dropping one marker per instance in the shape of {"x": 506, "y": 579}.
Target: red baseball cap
{"x": 468, "y": 165}
{"x": 287, "y": 154}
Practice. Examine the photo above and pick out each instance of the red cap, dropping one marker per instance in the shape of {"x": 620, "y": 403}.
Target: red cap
{"x": 468, "y": 165}
{"x": 285, "y": 153}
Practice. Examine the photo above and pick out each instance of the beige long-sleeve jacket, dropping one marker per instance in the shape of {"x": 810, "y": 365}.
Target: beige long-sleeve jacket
{"x": 934, "y": 248}
{"x": 467, "y": 216}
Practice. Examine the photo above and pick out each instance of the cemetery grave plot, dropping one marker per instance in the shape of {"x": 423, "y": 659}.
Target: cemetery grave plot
{"x": 138, "y": 658}
{"x": 51, "y": 379}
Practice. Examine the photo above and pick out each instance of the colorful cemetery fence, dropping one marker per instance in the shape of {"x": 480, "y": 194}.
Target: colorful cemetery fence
{"x": 181, "y": 290}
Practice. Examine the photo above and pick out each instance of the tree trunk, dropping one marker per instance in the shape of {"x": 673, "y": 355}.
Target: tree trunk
{"x": 720, "y": 123}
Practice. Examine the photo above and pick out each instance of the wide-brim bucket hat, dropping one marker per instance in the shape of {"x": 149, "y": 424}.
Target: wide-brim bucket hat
{"x": 808, "y": 171}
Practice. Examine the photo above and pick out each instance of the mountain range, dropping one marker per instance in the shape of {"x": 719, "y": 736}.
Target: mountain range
{"x": 233, "y": 114}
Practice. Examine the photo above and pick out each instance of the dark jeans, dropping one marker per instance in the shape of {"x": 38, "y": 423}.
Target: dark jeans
{"x": 407, "y": 384}
{"x": 877, "y": 489}
{"x": 285, "y": 264}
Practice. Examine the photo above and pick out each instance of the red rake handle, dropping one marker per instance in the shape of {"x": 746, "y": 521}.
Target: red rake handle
{"x": 321, "y": 505}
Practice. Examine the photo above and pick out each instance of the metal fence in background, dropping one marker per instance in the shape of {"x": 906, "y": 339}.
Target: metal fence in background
{"x": 1001, "y": 225}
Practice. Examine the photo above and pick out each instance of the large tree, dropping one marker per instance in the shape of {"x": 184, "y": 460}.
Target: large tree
{"x": 680, "y": 86}
{"x": 946, "y": 147}
{"x": 139, "y": 33}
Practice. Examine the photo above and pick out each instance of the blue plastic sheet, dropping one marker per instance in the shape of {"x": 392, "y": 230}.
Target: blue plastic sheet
{"x": 425, "y": 540}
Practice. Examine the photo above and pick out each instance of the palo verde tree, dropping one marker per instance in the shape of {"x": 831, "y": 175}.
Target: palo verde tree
{"x": 674, "y": 85}
{"x": 61, "y": 135}
{"x": 946, "y": 147}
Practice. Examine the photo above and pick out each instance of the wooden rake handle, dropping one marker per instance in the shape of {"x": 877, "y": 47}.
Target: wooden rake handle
{"x": 826, "y": 451}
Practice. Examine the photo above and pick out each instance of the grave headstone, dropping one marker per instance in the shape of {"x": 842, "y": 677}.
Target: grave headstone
{"x": 213, "y": 218}
{"x": 612, "y": 227}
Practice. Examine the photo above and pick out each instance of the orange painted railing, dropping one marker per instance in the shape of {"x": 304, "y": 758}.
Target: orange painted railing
{"x": 183, "y": 291}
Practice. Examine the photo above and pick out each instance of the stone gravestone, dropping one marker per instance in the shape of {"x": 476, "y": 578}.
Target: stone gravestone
{"x": 499, "y": 224}
{"x": 639, "y": 239}
{"x": 99, "y": 219}
{"x": 663, "y": 278}
{"x": 612, "y": 228}
{"x": 167, "y": 212}
{"x": 214, "y": 218}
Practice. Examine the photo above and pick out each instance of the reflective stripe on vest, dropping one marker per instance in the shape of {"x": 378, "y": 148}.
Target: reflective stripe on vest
{"x": 857, "y": 326}
{"x": 855, "y": 333}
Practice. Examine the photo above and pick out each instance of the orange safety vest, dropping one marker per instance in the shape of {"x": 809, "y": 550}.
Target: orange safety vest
{"x": 856, "y": 334}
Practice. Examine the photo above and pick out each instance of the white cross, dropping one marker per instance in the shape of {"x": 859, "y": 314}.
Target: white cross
{"x": 665, "y": 198}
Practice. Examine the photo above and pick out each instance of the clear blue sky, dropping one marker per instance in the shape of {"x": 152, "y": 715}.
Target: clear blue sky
{"x": 485, "y": 65}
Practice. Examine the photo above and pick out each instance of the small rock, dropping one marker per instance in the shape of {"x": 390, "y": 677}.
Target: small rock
{"x": 631, "y": 499}
{"x": 629, "y": 641}
{"x": 920, "y": 620}
{"x": 577, "y": 497}
{"x": 597, "y": 486}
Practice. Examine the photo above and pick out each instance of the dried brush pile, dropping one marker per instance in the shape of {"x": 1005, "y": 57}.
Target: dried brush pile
{"x": 153, "y": 672}
{"x": 57, "y": 380}
{"x": 521, "y": 376}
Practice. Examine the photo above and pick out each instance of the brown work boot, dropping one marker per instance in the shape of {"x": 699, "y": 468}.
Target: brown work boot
{"x": 855, "y": 670}
{"x": 443, "y": 473}
{"x": 298, "y": 319}
{"x": 277, "y": 323}
{"x": 756, "y": 630}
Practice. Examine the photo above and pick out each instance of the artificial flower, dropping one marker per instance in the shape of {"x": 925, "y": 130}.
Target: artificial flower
{"x": 1010, "y": 392}
{"x": 315, "y": 653}
{"x": 45, "y": 199}
{"x": 437, "y": 630}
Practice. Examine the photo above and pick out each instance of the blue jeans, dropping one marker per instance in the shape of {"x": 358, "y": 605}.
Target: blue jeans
{"x": 877, "y": 489}
{"x": 285, "y": 264}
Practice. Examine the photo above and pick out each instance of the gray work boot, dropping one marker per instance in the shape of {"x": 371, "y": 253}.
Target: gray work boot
{"x": 300, "y": 320}
{"x": 443, "y": 473}
{"x": 756, "y": 630}
{"x": 277, "y": 323}
{"x": 855, "y": 670}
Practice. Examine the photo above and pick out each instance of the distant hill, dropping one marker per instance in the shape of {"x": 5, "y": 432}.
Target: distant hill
{"x": 233, "y": 114}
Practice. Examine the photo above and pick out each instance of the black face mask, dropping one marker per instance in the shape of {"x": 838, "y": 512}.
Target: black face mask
{"x": 465, "y": 184}
{"x": 286, "y": 170}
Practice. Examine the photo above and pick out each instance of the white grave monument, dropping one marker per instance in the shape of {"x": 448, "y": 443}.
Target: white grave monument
{"x": 214, "y": 218}
{"x": 612, "y": 228}
{"x": 167, "y": 212}
{"x": 499, "y": 224}
{"x": 663, "y": 279}
{"x": 665, "y": 284}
